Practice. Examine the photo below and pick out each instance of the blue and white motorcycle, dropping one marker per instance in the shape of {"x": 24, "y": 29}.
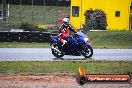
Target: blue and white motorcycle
{"x": 77, "y": 46}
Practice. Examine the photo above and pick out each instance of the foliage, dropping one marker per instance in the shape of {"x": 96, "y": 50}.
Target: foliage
{"x": 31, "y": 27}
{"x": 47, "y": 15}
{"x": 41, "y": 27}
{"x": 95, "y": 19}
{"x": 27, "y": 27}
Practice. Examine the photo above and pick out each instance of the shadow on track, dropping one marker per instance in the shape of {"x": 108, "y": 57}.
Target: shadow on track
{"x": 73, "y": 59}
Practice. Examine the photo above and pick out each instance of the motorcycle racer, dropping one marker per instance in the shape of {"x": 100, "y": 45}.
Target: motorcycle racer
{"x": 64, "y": 31}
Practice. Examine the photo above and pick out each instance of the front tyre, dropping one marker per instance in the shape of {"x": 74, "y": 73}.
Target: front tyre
{"x": 56, "y": 51}
{"x": 87, "y": 51}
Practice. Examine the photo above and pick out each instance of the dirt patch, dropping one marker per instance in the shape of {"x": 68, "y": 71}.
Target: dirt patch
{"x": 50, "y": 81}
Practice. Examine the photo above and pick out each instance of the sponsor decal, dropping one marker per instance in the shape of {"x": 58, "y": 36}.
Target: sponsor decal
{"x": 82, "y": 78}
{"x": 106, "y": 77}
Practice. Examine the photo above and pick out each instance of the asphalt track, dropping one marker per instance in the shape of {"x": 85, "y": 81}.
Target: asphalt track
{"x": 44, "y": 54}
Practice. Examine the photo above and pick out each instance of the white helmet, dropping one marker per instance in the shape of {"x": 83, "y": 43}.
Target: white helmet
{"x": 65, "y": 20}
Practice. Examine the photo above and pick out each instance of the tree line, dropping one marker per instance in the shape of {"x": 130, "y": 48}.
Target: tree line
{"x": 40, "y": 2}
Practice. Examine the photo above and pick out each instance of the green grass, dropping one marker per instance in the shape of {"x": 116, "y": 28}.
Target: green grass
{"x": 36, "y": 14}
{"x": 103, "y": 39}
{"x": 111, "y": 39}
{"x": 23, "y": 45}
{"x": 64, "y": 66}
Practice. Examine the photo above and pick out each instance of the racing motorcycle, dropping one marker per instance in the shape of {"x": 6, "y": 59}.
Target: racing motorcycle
{"x": 77, "y": 46}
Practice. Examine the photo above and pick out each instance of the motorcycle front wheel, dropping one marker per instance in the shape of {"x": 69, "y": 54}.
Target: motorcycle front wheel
{"x": 56, "y": 52}
{"x": 87, "y": 51}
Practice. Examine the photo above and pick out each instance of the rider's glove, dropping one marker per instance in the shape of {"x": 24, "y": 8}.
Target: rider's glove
{"x": 64, "y": 42}
{"x": 75, "y": 34}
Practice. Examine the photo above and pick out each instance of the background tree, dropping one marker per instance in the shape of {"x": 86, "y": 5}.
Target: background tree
{"x": 95, "y": 20}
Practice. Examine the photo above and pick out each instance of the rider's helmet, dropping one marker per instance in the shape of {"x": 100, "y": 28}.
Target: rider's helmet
{"x": 66, "y": 20}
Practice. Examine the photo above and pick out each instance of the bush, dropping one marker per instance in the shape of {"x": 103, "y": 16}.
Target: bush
{"x": 31, "y": 27}
{"x": 41, "y": 27}
{"x": 27, "y": 27}
{"x": 95, "y": 20}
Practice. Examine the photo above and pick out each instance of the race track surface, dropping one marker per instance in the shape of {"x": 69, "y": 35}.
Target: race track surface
{"x": 44, "y": 54}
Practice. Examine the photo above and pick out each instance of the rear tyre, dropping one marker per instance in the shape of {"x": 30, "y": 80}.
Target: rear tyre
{"x": 56, "y": 51}
{"x": 87, "y": 51}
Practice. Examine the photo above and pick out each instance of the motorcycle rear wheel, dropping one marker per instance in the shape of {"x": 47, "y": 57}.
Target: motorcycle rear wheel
{"x": 56, "y": 52}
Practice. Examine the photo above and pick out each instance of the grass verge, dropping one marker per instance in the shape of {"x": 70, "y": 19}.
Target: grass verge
{"x": 111, "y": 39}
{"x": 102, "y": 39}
{"x": 23, "y": 45}
{"x": 64, "y": 66}
{"x": 36, "y": 14}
